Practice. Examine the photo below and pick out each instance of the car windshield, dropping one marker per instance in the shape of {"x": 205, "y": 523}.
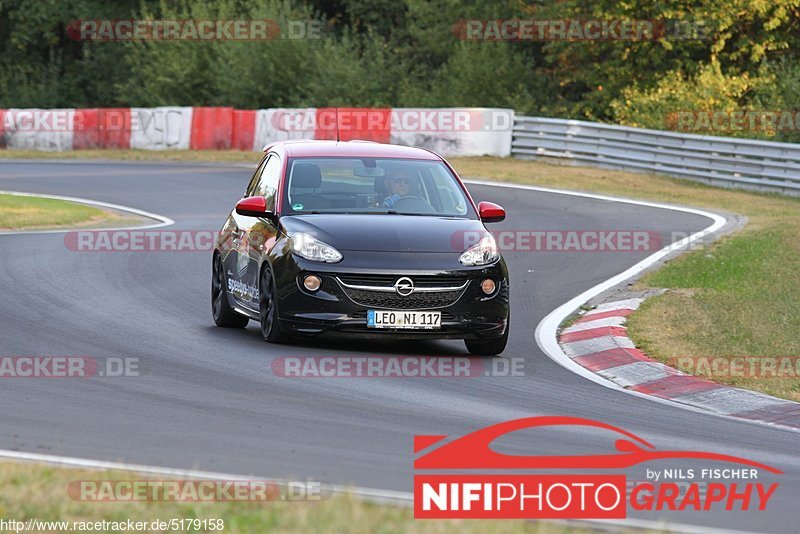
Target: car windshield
{"x": 373, "y": 185}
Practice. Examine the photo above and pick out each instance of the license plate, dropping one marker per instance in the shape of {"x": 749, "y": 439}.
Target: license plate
{"x": 404, "y": 319}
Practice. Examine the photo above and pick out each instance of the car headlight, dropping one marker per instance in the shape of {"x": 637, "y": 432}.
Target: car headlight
{"x": 481, "y": 253}
{"x": 309, "y": 247}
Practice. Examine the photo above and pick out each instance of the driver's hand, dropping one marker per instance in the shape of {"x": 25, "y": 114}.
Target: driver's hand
{"x": 390, "y": 201}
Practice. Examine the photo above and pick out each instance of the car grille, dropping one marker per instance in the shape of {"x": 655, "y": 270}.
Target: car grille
{"x": 441, "y": 291}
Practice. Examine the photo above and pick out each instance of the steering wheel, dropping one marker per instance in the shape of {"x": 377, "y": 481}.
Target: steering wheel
{"x": 413, "y": 203}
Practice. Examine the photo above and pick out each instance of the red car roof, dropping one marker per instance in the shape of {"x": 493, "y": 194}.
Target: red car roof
{"x": 354, "y": 149}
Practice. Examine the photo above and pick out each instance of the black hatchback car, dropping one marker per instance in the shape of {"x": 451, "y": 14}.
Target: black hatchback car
{"x": 361, "y": 239}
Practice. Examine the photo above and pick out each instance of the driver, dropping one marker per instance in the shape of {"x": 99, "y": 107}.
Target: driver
{"x": 398, "y": 183}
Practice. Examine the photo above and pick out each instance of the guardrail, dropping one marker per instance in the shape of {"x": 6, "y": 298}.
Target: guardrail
{"x": 722, "y": 161}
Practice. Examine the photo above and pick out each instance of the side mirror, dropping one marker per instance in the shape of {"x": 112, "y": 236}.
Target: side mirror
{"x": 490, "y": 212}
{"x": 253, "y": 207}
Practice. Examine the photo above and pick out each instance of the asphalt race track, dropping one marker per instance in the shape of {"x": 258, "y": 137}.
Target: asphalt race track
{"x": 207, "y": 397}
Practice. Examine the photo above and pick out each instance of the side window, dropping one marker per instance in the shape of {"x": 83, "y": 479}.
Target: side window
{"x": 268, "y": 182}
{"x": 251, "y": 188}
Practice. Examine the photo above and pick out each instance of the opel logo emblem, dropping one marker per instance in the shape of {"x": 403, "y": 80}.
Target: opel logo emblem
{"x": 404, "y": 286}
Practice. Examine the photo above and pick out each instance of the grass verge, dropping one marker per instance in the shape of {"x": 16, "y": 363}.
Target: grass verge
{"x": 39, "y": 492}
{"x": 35, "y": 213}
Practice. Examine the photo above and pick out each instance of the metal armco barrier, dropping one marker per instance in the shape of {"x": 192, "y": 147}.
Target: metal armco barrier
{"x": 721, "y": 161}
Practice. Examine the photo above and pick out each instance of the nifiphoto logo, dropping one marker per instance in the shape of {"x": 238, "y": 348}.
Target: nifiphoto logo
{"x": 440, "y": 493}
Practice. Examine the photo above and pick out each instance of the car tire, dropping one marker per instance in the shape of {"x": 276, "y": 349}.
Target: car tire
{"x": 488, "y": 348}
{"x": 268, "y": 309}
{"x": 221, "y": 311}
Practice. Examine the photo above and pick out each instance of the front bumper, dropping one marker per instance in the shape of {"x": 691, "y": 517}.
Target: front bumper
{"x": 338, "y": 309}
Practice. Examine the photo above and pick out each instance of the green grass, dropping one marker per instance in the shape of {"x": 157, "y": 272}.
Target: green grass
{"x": 739, "y": 262}
{"x": 24, "y": 213}
{"x": 739, "y": 298}
{"x": 40, "y": 492}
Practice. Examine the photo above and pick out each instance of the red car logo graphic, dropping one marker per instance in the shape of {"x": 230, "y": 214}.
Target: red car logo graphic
{"x": 473, "y": 451}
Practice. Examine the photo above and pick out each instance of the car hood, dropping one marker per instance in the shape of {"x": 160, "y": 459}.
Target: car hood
{"x": 388, "y": 233}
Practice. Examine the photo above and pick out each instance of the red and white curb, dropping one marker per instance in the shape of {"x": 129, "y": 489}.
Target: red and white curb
{"x": 598, "y": 342}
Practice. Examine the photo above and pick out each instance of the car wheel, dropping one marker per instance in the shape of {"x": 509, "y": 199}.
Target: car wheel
{"x": 488, "y": 348}
{"x": 268, "y": 309}
{"x": 221, "y": 310}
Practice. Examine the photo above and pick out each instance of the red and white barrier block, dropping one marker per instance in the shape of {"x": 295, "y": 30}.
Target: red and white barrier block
{"x": 455, "y": 131}
{"x": 39, "y": 129}
{"x": 598, "y": 341}
{"x": 448, "y": 131}
{"x": 161, "y": 128}
{"x": 283, "y": 124}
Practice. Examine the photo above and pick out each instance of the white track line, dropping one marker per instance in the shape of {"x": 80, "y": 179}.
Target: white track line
{"x": 162, "y": 220}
